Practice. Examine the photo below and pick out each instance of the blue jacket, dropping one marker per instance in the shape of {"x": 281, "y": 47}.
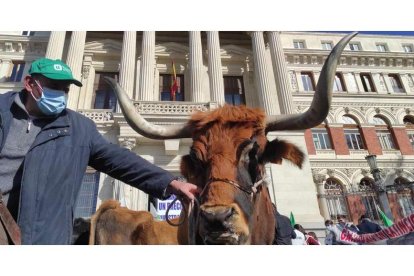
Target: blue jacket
{"x": 54, "y": 167}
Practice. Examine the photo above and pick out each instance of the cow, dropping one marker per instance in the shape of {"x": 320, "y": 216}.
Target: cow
{"x": 227, "y": 161}
{"x": 113, "y": 224}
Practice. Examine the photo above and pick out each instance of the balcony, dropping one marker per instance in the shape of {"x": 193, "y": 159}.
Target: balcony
{"x": 162, "y": 113}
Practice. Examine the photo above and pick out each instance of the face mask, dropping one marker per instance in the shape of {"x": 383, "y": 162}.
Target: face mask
{"x": 52, "y": 102}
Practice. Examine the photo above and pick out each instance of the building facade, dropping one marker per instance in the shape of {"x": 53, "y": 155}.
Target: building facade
{"x": 372, "y": 108}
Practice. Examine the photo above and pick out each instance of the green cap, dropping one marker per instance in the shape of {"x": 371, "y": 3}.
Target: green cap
{"x": 53, "y": 69}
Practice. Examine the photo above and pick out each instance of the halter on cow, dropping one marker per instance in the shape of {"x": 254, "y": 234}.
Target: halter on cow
{"x": 228, "y": 156}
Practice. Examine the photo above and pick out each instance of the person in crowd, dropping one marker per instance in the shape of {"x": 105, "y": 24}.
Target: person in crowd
{"x": 284, "y": 231}
{"x": 312, "y": 239}
{"x": 300, "y": 236}
{"x": 366, "y": 226}
{"x": 333, "y": 234}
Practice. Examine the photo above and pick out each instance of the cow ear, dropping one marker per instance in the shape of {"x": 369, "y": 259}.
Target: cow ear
{"x": 277, "y": 150}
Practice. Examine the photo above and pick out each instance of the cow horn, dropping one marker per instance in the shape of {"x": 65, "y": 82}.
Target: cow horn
{"x": 142, "y": 126}
{"x": 321, "y": 102}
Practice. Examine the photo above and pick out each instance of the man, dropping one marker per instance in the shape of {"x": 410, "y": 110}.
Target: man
{"x": 366, "y": 226}
{"x": 333, "y": 232}
{"x": 284, "y": 231}
{"x": 46, "y": 148}
{"x": 343, "y": 223}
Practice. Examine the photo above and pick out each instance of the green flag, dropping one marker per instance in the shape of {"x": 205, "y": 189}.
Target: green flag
{"x": 292, "y": 219}
{"x": 387, "y": 222}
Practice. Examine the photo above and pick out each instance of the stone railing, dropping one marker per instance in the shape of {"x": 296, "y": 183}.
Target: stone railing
{"x": 23, "y": 44}
{"x": 158, "y": 112}
{"x": 99, "y": 115}
{"x": 172, "y": 108}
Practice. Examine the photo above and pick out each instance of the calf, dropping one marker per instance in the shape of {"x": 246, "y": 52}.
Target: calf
{"x": 113, "y": 224}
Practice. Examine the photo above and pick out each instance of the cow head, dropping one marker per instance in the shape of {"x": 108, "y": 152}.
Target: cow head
{"x": 228, "y": 155}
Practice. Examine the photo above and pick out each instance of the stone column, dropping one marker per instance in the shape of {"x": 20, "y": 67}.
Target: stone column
{"x": 5, "y": 69}
{"x": 214, "y": 68}
{"x": 74, "y": 61}
{"x": 127, "y": 70}
{"x": 137, "y": 78}
{"x": 55, "y": 45}
{"x": 268, "y": 101}
{"x": 146, "y": 81}
{"x": 319, "y": 179}
{"x": 196, "y": 67}
{"x": 281, "y": 73}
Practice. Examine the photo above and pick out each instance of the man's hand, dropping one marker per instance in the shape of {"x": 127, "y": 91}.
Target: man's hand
{"x": 187, "y": 190}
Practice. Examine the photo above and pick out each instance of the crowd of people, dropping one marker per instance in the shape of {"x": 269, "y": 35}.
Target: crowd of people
{"x": 288, "y": 234}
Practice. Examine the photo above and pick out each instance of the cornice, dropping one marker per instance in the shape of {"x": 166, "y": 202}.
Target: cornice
{"x": 356, "y": 59}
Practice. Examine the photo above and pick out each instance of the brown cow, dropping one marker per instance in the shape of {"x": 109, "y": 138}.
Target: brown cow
{"x": 113, "y": 224}
{"x": 227, "y": 160}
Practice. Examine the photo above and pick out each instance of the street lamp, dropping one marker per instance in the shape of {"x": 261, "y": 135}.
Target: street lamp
{"x": 379, "y": 185}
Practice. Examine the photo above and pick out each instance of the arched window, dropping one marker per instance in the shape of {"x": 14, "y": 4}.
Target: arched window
{"x": 383, "y": 133}
{"x": 409, "y": 125}
{"x": 369, "y": 197}
{"x": 405, "y": 195}
{"x": 352, "y": 133}
{"x": 335, "y": 198}
{"x": 321, "y": 138}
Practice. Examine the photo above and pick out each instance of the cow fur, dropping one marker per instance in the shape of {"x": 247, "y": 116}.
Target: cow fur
{"x": 113, "y": 224}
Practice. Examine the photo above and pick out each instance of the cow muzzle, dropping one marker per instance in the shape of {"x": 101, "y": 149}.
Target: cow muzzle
{"x": 220, "y": 225}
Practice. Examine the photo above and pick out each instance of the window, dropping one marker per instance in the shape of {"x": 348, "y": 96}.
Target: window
{"x": 326, "y": 45}
{"x": 307, "y": 81}
{"x": 339, "y": 84}
{"x": 408, "y": 48}
{"x": 396, "y": 83}
{"x": 367, "y": 82}
{"x": 384, "y": 136}
{"x": 104, "y": 94}
{"x": 234, "y": 90}
{"x": 321, "y": 139}
{"x": 411, "y": 138}
{"x": 353, "y": 139}
{"x": 352, "y": 134}
{"x": 335, "y": 199}
{"x": 385, "y": 139}
{"x": 16, "y": 71}
{"x": 88, "y": 194}
{"x": 382, "y": 47}
{"x": 298, "y": 44}
{"x": 28, "y": 33}
{"x": 354, "y": 46}
{"x": 166, "y": 81}
{"x": 409, "y": 125}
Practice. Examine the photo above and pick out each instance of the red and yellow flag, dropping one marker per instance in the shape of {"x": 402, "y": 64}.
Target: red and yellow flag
{"x": 174, "y": 85}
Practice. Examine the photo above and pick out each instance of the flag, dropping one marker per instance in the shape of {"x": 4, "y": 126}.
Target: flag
{"x": 292, "y": 219}
{"x": 174, "y": 86}
{"x": 387, "y": 222}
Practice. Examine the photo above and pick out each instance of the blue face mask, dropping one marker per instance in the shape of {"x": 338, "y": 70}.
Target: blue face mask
{"x": 52, "y": 102}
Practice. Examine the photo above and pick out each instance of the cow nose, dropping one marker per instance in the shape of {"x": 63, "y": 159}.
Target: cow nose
{"x": 217, "y": 216}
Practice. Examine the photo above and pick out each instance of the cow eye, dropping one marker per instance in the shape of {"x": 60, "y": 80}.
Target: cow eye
{"x": 195, "y": 158}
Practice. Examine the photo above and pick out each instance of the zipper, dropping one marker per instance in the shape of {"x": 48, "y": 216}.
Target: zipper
{"x": 29, "y": 124}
